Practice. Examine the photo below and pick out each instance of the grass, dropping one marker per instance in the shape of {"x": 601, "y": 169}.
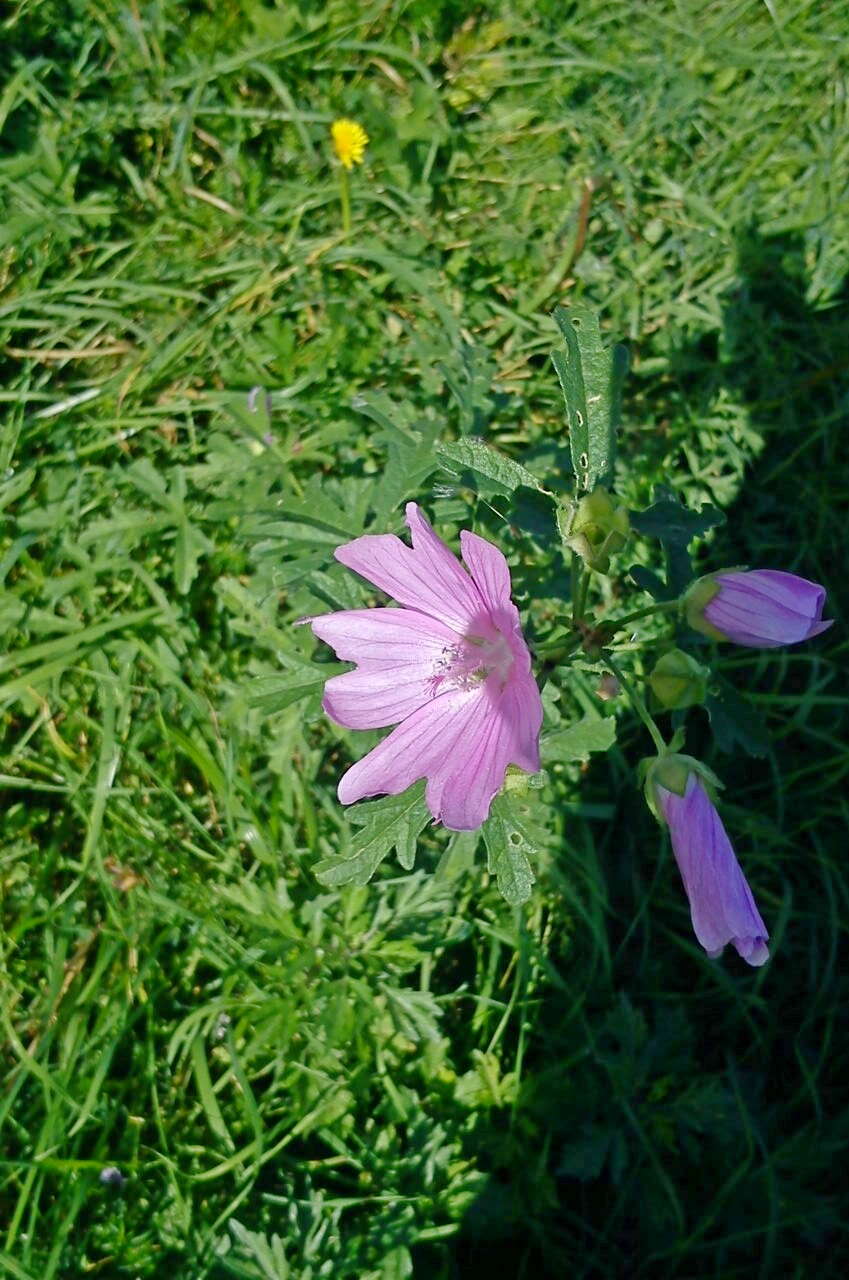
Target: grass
{"x": 408, "y": 1077}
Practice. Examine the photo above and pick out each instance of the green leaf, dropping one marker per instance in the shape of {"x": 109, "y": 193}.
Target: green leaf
{"x": 397, "y": 1265}
{"x": 70, "y": 647}
{"x": 275, "y": 693}
{"x": 191, "y": 543}
{"x": 393, "y": 822}
{"x": 591, "y": 377}
{"x": 268, "y": 1254}
{"x": 485, "y": 461}
{"x": 649, "y": 581}
{"x": 578, "y": 741}
{"x": 675, "y": 525}
{"x": 734, "y": 722}
{"x": 670, "y": 521}
{"x": 411, "y": 459}
{"x": 509, "y": 849}
{"x": 534, "y": 512}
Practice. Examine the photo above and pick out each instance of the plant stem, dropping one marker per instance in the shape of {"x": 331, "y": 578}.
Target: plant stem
{"x": 345, "y": 200}
{"x": 559, "y": 654}
{"x": 637, "y": 702}
{"x": 664, "y": 606}
{"x": 583, "y": 592}
{"x": 575, "y": 572}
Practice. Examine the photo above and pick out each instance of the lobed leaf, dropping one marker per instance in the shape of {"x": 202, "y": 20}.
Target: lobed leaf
{"x": 578, "y": 741}
{"x": 385, "y": 824}
{"x": 509, "y": 849}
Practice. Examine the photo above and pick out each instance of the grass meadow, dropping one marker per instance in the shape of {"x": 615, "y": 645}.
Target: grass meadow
{"x": 296, "y": 1074}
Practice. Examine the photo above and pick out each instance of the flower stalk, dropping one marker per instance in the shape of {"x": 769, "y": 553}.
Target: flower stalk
{"x": 636, "y": 701}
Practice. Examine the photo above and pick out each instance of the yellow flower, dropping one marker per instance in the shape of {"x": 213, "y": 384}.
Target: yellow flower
{"x": 349, "y": 142}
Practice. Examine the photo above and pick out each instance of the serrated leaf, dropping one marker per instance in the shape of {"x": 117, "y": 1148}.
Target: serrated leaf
{"x": 509, "y": 849}
{"x": 190, "y": 544}
{"x": 411, "y": 459}
{"x": 415, "y": 1014}
{"x": 268, "y": 1254}
{"x": 591, "y": 377}
{"x": 275, "y": 693}
{"x": 393, "y": 822}
{"x": 734, "y": 721}
{"x": 578, "y": 741}
{"x": 314, "y": 516}
{"x": 485, "y": 461}
{"x": 675, "y": 526}
{"x": 670, "y": 521}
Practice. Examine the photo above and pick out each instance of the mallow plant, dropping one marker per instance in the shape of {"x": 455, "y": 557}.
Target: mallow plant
{"x": 441, "y": 660}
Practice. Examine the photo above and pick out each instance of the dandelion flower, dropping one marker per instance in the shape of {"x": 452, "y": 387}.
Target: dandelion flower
{"x": 449, "y": 668}
{"x": 349, "y": 142}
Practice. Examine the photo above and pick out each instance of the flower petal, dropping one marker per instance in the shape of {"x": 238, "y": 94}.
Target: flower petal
{"x": 489, "y": 570}
{"x": 766, "y": 608}
{"x": 426, "y": 576}
{"x": 461, "y": 741}
{"x": 444, "y": 571}
{"x": 383, "y": 637}
{"x": 375, "y": 697}
{"x": 521, "y": 710}
{"x": 413, "y": 750}
{"x": 721, "y": 904}
{"x": 500, "y": 732}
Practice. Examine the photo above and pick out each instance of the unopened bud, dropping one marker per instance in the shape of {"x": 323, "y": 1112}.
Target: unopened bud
{"x": 678, "y": 681}
{"x": 672, "y": 772}
{"x": 598, "y": 528}
{"x": 696, "y": 600}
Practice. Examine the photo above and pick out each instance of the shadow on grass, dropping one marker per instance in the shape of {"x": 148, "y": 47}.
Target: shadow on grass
{"x": 692, "y": 1126}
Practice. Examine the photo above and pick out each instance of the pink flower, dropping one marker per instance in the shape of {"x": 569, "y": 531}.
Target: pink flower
{"x": 722, "y": 908}
{"x": 450, "y": 668}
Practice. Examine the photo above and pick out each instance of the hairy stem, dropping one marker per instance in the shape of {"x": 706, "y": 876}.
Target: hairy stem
{"x": 664, "y": 606}
{"x": 636, "y": 701}
{"x": 345, "y": 199}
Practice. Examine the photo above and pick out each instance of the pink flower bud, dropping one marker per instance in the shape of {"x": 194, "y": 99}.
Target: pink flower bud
{"x": 757, "y": 607}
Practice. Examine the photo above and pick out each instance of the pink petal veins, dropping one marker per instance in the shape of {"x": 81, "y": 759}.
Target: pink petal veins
{"x": 488, "y": 568}
{"x": 374, "y": 697}
{"x": 450, "y": 669}
{"x": 426, "y": 576}
{"x": 411, "y": 751}
{"x": 385, "y": 637}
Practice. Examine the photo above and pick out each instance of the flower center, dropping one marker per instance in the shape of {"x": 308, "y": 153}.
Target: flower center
{"x": 473, "y": 661}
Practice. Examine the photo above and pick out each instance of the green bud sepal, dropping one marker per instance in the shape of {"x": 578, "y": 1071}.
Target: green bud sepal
{"x": 595, "y": 528}
{"x": 672, "y": 771}
{"x": 677, "y": 680}
{"x": 696, "y": 598}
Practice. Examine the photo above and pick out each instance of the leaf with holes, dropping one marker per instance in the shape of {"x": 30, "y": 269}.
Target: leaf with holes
{"x": 591, "y": 377}
{"x": 483, "y": 460}
{"x": 509, "y": 848}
